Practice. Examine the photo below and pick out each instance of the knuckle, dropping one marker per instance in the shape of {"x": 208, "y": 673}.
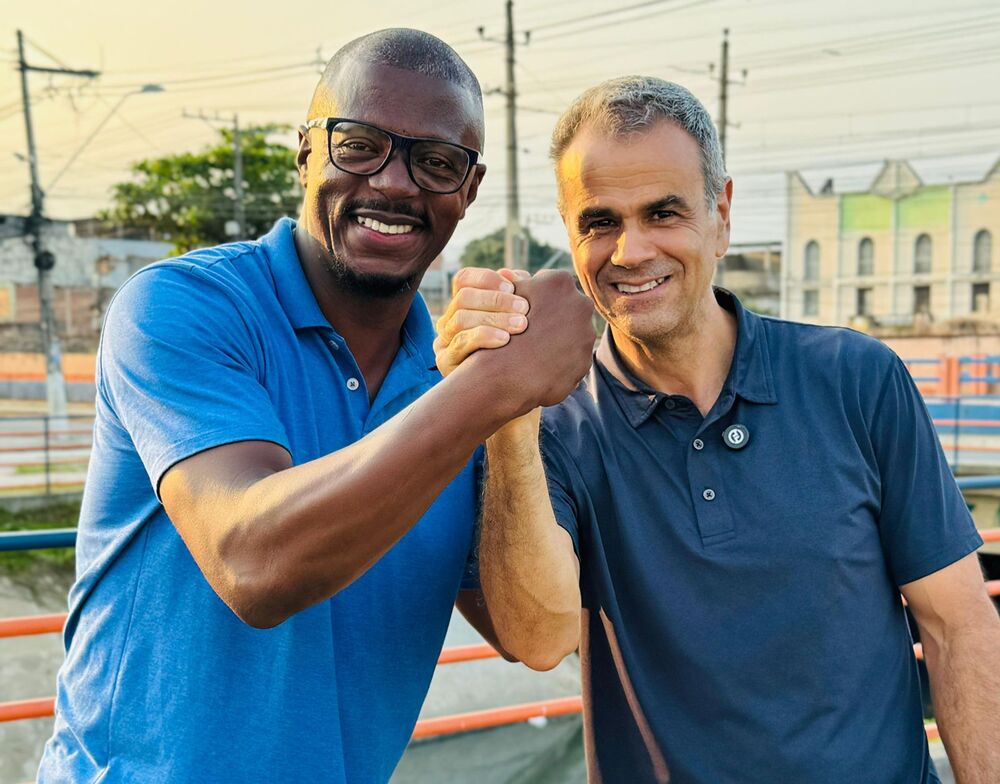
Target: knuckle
{"x": 464, "y": 319}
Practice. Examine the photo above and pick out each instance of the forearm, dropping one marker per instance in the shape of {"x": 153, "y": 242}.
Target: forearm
{"x": 528, "y": 571}
{"x": 964, "y": 668}
{"x": 294, "y": 537}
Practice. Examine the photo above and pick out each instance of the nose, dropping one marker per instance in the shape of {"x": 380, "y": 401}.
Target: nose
{"x": 394, "y": 180}
{"x": 633, "y": 248}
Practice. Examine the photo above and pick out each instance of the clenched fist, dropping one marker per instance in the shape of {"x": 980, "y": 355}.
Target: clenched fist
{"x": 538, "y": 364}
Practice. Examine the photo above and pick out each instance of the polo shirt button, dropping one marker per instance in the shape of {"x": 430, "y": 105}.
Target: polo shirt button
{"x": 669, "y": 404}
{"x": 334, "y": 346}
{"x": 353, "y": 383}
{"x": 698, "y": 444}
{"x": 709, "y": 494}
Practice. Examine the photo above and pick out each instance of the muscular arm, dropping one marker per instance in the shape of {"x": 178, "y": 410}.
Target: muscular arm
{"x": 960, "y": 633}
{"x": 273, "y": 539}
{"x": 527, "y": 566}
{"x": 529, "y": 572}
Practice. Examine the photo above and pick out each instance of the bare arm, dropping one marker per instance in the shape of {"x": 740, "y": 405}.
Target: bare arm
{"x": 529, "y": 572}
{"x": 960, "y": 633}
{"x": 273, "y": 539}
{"x": 528, "y": 569}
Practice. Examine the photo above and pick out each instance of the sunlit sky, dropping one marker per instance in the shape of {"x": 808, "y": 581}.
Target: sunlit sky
{"x": 828, "y": 85}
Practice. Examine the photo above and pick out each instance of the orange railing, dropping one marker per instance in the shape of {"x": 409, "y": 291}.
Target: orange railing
{"x": 426, "y": 728}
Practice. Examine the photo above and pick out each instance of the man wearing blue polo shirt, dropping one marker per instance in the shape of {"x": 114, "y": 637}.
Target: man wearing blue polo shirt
{"x": 280, "y": 509}
{"x": 736, "y": 501}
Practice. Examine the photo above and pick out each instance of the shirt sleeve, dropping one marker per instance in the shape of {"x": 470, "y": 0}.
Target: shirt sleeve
{"x": 559, "y": 473}
{"x": 470, "y": 577}
{"x": 924, "y": 522}
{"x": 181, "y": 370}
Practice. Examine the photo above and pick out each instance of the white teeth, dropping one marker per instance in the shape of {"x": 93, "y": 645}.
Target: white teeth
{"x": 383, "y": 228}
{"x": 624, "y": 288}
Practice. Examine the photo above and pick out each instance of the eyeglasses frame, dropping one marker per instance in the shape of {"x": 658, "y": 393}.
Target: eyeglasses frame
{"x": 397, "y": 141}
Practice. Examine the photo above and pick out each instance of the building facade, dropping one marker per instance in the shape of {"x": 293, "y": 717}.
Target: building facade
{"x": 87, "y": 272}
{"x": 903, "y": 253}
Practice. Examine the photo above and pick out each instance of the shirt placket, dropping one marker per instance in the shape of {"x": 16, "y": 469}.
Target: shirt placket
{"x": 349, "y": 374}
{"x": 706, "y": 480}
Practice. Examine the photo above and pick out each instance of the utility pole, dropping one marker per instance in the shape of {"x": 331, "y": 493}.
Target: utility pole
{"x": 512, "y": 239}
{"x": 724, "y": 83}
{"x": 241, "y": 218}
{"x": 44, "y": 260}
{"x": 723, "y": 91}
{"x": 239, "y": 212}
{"x": 515, "y": 245}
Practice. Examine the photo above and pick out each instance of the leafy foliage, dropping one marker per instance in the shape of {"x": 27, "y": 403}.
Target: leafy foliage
{"x": 188, "y": 198}
{"x": 488, "y": 251}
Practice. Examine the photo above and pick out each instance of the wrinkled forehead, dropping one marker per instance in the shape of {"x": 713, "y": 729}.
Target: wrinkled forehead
{"x": 404, "y": 101}
{"x": 599, "y": 167}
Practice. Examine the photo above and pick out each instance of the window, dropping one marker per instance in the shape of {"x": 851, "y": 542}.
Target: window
{"x": 922, "y": 299}
{"x": 866, "y": 257}
{"x": 810, "y": 302}
{"x": 982, "y": 250}
{"x": 864, "y": 302}
{"x": 922, "y": 254}
{"x": 980, "y": 297}
{"x": 811, "y": 271}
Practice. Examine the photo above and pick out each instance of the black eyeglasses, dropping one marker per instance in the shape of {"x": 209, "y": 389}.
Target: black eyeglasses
{"x": 365, "y": 149}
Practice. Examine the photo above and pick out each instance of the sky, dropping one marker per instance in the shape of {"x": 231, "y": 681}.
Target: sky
{"x": 829, "y": 89}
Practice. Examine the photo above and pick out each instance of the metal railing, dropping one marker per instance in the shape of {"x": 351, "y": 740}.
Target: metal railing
{"x": 425, "y": 728}
{"x": 44, "y": 455}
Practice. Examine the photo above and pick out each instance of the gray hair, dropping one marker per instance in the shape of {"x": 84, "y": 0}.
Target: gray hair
{"x": 632, "y": 104}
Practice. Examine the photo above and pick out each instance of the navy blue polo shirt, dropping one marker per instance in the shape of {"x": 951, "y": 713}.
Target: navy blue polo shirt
{"x": 742, "y": 619}
{"x": 162, "y": 682}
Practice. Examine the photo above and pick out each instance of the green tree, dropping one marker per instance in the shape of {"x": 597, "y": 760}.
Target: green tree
{"x": 188, "y": 198}
{"x": 488, "y": 251}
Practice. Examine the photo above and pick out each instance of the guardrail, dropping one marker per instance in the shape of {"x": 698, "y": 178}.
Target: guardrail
{"x": 44, "y": 455}
{"x": 425, "y": 728}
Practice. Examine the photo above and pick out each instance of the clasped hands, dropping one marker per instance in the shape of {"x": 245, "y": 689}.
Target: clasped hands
{"x": 537, "y": 332}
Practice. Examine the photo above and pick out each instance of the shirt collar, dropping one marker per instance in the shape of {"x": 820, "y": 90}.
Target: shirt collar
{"x": 299, "y": 302}
{"x": 750, "y": 375}
{"x": 294, "y": 292}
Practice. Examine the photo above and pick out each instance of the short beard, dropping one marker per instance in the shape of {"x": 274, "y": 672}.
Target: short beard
{"x": 370, "y": 285}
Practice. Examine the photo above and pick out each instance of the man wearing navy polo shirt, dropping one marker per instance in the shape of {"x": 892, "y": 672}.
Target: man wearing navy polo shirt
{"x": 280, "y": 509}
{"x": 736, "y": 501}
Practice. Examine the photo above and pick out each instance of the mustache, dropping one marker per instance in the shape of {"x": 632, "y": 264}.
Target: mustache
{"x": 384, "y": 205}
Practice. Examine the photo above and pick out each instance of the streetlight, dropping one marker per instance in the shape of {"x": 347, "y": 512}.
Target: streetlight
{"x": 146, "y": 88}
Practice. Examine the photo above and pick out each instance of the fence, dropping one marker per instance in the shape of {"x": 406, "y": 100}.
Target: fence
{"x": 443, "y": 725}
{"x": 44, "y": 455}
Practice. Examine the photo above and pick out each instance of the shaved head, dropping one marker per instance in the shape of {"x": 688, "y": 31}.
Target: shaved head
{"x": 403, "y": 48}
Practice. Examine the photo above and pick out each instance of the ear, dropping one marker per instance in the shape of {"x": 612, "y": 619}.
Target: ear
{"x": 723, "y": 207}
{"x": 302, "y": 155}
{"x": 475, "y": 178}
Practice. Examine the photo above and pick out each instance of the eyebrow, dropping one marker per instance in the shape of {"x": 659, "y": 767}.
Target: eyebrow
{"x": 671, "y": 202}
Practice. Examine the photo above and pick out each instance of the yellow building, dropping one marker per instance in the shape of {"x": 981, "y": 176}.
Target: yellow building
{"x": 900, "y": 252}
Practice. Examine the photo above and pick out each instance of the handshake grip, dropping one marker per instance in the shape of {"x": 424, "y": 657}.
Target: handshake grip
{"x": 543, "y": 364}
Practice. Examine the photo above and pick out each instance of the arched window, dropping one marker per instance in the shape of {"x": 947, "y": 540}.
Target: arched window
{"x": 922, "y": 254}
{"x": 866, "y": 257}
{"x": 811, "y": 271}
{"x": 982, "y": 251}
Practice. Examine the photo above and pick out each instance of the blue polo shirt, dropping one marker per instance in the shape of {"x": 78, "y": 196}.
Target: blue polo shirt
{"x": 742, "y": 618}
{"x": 162, "y": 682}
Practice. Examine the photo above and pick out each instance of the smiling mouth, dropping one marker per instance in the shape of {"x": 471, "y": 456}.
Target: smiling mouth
{"x": 625, "y": 288}
{"x": 384, "y": 228}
